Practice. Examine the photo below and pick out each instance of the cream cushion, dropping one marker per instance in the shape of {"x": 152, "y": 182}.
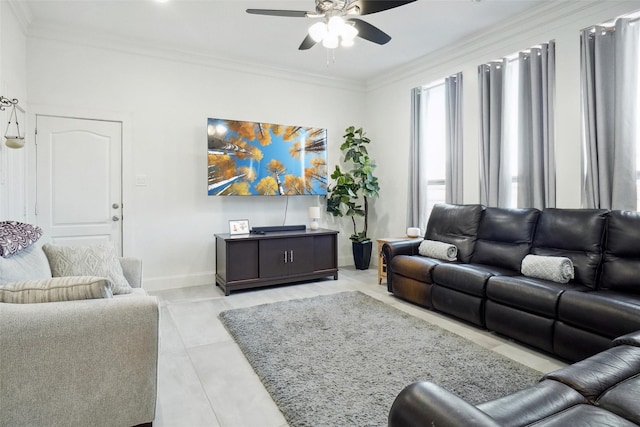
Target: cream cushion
{"x": 55, "y": 289}
{"x": 90, "y": 260}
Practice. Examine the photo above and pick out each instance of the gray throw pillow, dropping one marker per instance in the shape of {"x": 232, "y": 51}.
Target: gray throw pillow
{"x": 556, "y": 269}
{"x": 92, "y": 260}
{"x": 55, "y": 290}
{"x": 28, "y": 264}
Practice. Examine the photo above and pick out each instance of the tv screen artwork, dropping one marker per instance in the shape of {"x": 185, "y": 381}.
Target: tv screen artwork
{"x": 249, "y": 158}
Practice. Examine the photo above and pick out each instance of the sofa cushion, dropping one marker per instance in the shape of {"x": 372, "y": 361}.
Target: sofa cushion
{"x": 55, "y": 289}
{"x": 531, "y": 404}
{"x": 621, "y": 263}
{"x": 468, "y": 278}
{"x": 28, "y": 264}
{"x": 504, "y": 237}
{"x": 577, "y": 234}
{"x": 527, "y": 293}
{"x": 16, "y": 236}
{"x": 623, "y": 399}
{"x": 457, "y": 225}
{"x": 606, "y": 312}
{"x": 92, "y": 260}
{"x": 593, "y": 376}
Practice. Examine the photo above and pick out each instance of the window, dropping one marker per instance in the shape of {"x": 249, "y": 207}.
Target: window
{"x": 435, "y": 162}
{"x": 434, "y": 144}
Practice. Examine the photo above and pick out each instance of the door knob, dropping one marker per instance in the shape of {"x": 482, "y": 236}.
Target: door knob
{"x": 115, "y": 206}
{"x": 115, "y": 218}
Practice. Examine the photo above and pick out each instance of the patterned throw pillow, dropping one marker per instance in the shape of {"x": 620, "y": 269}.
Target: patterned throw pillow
{"x": 92, "y": 260}
{"x": 16, "y": 236}
{"x": 55, "y": 289}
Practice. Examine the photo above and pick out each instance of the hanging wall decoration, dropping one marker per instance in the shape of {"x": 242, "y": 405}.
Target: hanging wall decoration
{"x": 13, "y": 139}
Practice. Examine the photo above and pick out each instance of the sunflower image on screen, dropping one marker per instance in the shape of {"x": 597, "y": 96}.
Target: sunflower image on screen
{"x": 264, "y": 159}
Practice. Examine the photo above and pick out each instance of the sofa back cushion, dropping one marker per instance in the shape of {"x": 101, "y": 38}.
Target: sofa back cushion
{"x": 28, "y": 264}
{"x": 577, "y": 234}
{"x": 505, "y": 237}
{"x": 621, "y": 261}
{"x": 455, "y": 224}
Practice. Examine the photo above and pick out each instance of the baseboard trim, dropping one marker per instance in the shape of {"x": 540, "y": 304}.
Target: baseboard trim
{"x": 181, "y": 281}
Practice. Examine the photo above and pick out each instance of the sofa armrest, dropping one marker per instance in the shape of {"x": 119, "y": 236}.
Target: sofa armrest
{"x": 392, "y": 249}
{"x": 632, "y": 338}
{"x": 427, "y": 404}
{"x": 132, "y": 269}
{"x": 401, "y": 247}
{"x": 90, "y": 362}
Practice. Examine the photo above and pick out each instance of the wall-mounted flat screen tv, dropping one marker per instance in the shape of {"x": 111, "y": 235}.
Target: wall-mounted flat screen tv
{"x": 264, "y": 159}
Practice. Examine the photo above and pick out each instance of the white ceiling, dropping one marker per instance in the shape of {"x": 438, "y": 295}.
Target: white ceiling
{"x": 222, "y": 29}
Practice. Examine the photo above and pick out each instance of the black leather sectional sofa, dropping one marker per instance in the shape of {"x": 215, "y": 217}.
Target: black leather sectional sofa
{"x": 484, "y": 285}
{"x": 602, "y": 390}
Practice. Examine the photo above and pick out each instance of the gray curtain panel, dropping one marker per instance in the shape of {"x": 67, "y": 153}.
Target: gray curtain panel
{"x": 536, "y": 127}
{"x": 609, "y": 61}
{"x": 417, "y": 197}
{"x": 453, "y": 167}
{"x": 494, "y": 173}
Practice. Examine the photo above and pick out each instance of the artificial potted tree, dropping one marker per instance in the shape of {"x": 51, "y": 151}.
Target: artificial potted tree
{"x": 351, "y": 190}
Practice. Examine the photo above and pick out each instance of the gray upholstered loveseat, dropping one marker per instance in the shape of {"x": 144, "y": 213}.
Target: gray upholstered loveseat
{"x": 89, "y": 362}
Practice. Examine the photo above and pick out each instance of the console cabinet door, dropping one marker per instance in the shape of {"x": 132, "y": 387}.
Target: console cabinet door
{"x": 282, "y": 257}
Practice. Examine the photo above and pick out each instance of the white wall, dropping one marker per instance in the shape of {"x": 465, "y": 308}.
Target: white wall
{"x": 164, "y": 104}
{"x": 13, "y": 84}
{"x": 388, "y": 101}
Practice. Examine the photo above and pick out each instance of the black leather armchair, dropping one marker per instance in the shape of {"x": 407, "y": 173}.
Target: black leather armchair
{"x": 601, "y": 390}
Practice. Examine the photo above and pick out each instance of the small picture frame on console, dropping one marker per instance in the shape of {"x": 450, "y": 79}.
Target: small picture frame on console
{"x": 238, "y": 226}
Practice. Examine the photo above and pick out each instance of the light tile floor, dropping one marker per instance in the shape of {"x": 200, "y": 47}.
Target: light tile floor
{"x": 203, "y": 378}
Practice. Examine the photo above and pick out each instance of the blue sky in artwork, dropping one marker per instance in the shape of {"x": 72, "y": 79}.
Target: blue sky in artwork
{"x": 278, "y": 150}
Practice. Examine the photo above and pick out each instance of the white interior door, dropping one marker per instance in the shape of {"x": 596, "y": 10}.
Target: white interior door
{"x": 79, "y": 180}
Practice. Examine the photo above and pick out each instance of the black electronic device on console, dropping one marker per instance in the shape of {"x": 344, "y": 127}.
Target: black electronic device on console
{"x": 267, "y": 229}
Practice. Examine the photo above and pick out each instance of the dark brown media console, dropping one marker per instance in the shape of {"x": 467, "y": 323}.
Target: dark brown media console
{"x": 257, "y": 260}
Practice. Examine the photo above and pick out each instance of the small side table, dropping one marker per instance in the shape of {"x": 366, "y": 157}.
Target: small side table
{"x": 382, "y": 266}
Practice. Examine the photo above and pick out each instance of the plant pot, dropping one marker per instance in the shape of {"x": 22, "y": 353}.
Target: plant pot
{"x": 362, "y": 254}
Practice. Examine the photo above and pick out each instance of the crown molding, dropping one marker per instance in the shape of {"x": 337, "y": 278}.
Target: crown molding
{"x": 141, "y": 48}
{"x": 545, "y": 18}
{"x": 22, "y": 13}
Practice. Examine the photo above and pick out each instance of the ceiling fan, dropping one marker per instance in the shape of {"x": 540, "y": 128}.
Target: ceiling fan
{"x": 339, "y": 24}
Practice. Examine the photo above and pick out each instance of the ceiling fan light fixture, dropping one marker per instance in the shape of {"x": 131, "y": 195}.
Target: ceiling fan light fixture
{"x": 336, "y": 24}
{"x": 330, "y": 41}
{"x": 348, "y": 33}
{"x": 318, "y": 31}
{"x": 346, "y": 42}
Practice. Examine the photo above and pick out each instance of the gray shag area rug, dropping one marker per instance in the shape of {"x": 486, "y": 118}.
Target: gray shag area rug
{"x": 341, "y": 359}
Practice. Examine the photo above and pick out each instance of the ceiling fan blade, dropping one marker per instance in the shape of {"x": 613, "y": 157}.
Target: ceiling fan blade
{"x": 372, "y": 6}
{"x": 369, "y": 32}
{"x": 307, "y": 43}
{"x": 273, "y": 12}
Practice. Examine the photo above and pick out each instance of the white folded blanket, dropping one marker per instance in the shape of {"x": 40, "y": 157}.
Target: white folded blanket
{"x": 439, "y": 250}
{"x": 556, "y": 269}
